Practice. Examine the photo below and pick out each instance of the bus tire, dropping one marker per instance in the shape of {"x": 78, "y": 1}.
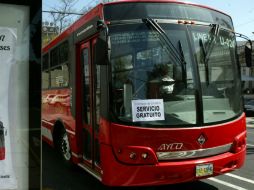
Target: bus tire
{"x": 64, "y": 146}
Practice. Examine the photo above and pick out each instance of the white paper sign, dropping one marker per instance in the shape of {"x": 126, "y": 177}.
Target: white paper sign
{"x": 148, "y": 110}
{"x": 8, "y": 39}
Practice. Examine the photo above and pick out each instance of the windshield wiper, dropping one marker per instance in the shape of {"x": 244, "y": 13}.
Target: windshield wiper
{"x": 206, "y": 51}
{"x": 210, "y": 44}
{"x": 172, "y": 49}
{"x": 205, "y": 61}
{"x": 162, "y": 33}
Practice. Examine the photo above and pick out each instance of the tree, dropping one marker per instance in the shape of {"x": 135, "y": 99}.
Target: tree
{"x": 61, "y": 14}
{"x": 59, "y": 17}
{"x": 56, "y": 19}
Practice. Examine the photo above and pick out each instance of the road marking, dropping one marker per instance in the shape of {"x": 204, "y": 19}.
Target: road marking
{"x": 240, "y": 178}
{"x": 226, "y": 184}
{"x": 250, "y": 145}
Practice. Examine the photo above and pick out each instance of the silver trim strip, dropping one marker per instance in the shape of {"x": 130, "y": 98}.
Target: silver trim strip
{"x": 76, "y": 155}
{"x": 71, "y": 132}
{"x": 178, "y": 155}
{"x": 47, "y": 122}
{"x": 90, "y": 172}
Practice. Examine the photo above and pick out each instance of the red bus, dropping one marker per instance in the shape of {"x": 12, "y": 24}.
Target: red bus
{"x": 146, "y": 92}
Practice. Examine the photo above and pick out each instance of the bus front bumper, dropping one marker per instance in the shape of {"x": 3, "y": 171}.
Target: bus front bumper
{"x": 115, "y": 173}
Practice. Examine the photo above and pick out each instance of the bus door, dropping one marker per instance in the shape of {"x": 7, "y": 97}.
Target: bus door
{"x": 90, "y": 93}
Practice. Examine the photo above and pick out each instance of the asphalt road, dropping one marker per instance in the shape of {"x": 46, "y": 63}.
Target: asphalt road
{"x": 57, "y": 176}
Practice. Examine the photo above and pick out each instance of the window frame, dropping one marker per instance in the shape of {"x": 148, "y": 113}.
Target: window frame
{"x": 46, "y": 56}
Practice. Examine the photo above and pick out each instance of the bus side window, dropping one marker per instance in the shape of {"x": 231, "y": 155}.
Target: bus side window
{"x": 59, "y": 67}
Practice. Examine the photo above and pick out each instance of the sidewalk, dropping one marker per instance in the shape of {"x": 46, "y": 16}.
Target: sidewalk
{"x": 250, "y": 121}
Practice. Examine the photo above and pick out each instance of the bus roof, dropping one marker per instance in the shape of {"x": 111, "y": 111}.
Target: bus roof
{"x": 97, "y": 11}
{"x": 168, "y": 1}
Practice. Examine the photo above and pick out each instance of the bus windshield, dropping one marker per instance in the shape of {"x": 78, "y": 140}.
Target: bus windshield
{"x": 157, "y": 84}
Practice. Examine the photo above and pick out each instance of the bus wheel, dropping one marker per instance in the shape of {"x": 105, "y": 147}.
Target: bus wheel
{"x": 64, "y": 146}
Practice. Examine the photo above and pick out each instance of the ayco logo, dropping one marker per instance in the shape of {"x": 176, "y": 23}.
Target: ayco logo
{"x": 172, "y": 146}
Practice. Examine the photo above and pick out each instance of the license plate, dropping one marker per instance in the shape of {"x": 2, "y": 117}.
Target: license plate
{"x": 204, "y": 170}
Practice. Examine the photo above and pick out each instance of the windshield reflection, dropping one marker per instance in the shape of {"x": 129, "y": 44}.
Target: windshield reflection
{"x": 143, "y": 68}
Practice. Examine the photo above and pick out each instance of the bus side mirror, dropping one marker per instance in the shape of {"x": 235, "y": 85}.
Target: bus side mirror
{"x": 102, "y": 49}
{"x": 100, "y": 52}
{"x": 248, "y": 54}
